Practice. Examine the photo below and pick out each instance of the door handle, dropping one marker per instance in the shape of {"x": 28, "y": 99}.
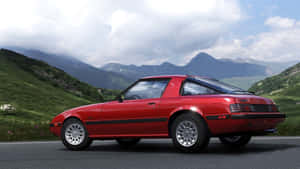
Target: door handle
{"x": 151, "y": 103}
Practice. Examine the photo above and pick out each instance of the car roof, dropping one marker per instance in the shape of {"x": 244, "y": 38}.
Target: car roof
{"x": 165, "y": 76}
{"x": 174, "y": 76}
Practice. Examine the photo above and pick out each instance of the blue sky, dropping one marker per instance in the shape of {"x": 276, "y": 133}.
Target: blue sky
{"x": 154, "y": 31}
{"x": 268, "y": 31}
{"x": 258, "y": 11}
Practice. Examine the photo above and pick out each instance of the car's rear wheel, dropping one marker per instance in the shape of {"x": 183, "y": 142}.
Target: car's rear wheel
{"x": 127, "y": 142}
{"x": 235, "y": 141}
{"x": 74, "y": 135}
{"x": 189, "y": 133}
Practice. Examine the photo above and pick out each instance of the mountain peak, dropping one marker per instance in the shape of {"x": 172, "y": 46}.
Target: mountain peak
{"x": 202, "y": 58}
{"x": 166, "y": 64}
{"x": 203, "y": 55}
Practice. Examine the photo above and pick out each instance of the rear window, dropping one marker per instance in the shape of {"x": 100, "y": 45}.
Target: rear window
{"x": 192, "y": 88}
{"x": 219, "y": 86}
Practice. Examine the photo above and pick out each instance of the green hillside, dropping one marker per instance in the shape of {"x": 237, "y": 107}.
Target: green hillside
{"x": 37, "y": 93}
{"x": 284, "y": 89}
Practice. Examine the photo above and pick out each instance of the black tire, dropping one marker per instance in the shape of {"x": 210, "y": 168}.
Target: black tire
{"x": 86, "y": 141}
{"x": 239, "y": 141}
{"x": 127, "y": 142}
{"x": 201, "y": 139}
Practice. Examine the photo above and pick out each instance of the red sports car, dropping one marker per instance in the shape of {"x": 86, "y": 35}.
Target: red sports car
{"x": 188, "y": 109}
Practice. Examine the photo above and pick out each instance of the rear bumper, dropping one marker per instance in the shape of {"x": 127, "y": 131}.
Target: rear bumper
{"x": 244, "y": 123}
{"x": 257, "y": 116}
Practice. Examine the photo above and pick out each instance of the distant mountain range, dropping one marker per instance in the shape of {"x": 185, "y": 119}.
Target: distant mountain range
{"x": 82, "y": 71}
{"x": 118, "y": 76}
{"x": 272, "y": 67}
{"x": 202, "y": 64}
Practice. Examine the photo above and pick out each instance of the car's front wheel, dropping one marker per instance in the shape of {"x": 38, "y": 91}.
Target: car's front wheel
{"x": 235, "y": 141}
{"x": 74, "y": 135}
{"x": 127, "y": 142}
{"x": 190, "y": 133}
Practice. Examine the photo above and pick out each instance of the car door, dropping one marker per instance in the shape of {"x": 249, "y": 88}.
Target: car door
{"x": 136, "y": 114}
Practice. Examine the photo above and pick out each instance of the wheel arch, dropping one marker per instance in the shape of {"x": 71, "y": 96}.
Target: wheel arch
{"x": 179, "y": 112}
{"x": 73, "y": 116}
{"x": 77, "y": 117}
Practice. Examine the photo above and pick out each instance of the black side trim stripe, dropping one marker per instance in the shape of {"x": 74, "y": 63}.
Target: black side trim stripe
{"x": 257, "y": 116}
{"x": 217, "y": 117}
{"x": 127, "y": 121}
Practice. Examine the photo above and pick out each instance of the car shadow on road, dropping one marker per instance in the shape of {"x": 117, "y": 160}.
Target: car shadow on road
{"x": 213, "y": 148}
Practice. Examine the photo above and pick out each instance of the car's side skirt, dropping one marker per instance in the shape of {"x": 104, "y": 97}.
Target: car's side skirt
{"x": 130, "y": 136}
{"x": 145, "y": 120}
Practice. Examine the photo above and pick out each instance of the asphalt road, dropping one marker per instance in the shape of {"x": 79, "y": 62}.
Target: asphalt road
{"x": 262, "y": 152}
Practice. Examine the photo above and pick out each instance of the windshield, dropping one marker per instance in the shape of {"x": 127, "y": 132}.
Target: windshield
{"x": 221, "y": 86}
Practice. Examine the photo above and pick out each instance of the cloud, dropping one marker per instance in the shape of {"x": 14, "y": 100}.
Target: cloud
{"x": 280, "y": 22}
{"x": 130, "y": 32}
{"x": 280, "y": 43}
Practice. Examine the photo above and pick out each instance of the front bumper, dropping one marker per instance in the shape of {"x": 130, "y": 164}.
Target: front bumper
{"x": 243, "y": 122}
{"x": 55, "y": 128}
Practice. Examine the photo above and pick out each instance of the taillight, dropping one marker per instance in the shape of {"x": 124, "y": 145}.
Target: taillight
{"x": 234, "y": 108}
{"x": 274, "y": 108}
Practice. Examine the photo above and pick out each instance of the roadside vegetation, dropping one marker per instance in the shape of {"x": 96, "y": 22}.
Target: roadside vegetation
{"x": 284, "y": 89}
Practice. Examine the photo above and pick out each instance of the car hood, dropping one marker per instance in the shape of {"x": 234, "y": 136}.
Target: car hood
{"x": 83, "y": 108}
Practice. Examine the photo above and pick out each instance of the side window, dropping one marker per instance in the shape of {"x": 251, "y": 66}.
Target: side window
{"x": 146, "y": 89}
{"x": 191, "y": 88}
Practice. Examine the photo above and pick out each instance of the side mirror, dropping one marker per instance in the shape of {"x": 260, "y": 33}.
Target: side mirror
{"x": 121, "y": 98}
